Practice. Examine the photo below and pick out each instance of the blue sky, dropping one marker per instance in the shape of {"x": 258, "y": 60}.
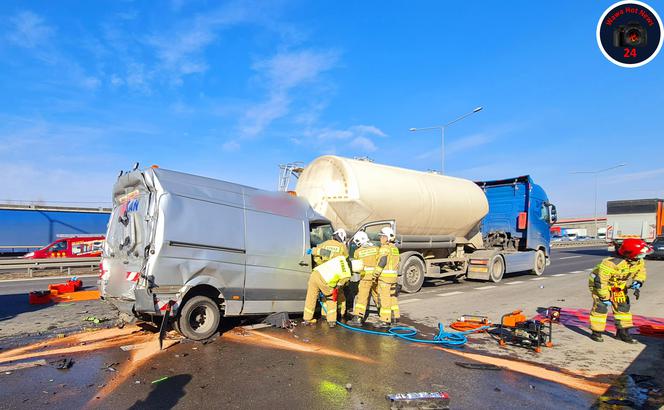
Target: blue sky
{"x": 230, "y": 90}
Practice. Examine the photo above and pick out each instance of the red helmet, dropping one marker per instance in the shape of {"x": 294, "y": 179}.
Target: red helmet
{"x": 631, "y": 248}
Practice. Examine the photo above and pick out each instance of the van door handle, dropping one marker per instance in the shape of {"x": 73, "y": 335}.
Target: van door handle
{"x": 303, "y": 263}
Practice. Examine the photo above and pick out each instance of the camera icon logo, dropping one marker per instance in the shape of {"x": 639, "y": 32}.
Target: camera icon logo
{"x": 629, "y": 33}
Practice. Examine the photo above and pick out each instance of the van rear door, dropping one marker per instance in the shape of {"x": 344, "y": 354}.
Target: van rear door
{"x": 128, "y": 233}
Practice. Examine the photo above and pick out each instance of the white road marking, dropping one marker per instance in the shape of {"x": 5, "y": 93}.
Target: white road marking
{"x": 571, "y": 257}
{"x": 450, "y": 293}
{"x": 559, "y": 274}
{"x": 485, "y": 287}
{"x": 578, "y": 271}
{"x": 538, "y": 278}
{"x": 516, "y": 282}
{"x": 47, "y": 278}
{"x": 403, "y": 302}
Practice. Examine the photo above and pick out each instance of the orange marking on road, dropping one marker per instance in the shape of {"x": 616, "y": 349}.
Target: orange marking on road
{"x": 266, "y": 340}
{"x": 76, "y": 296}
{"x": 577, "y": 383}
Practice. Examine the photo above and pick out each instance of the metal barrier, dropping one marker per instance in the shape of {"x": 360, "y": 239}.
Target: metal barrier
{"x": 30, "y": 265}
{"x": 577, "y": 244}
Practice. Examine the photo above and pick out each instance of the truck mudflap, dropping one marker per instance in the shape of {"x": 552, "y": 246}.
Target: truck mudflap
{"x": 156, "y": 304}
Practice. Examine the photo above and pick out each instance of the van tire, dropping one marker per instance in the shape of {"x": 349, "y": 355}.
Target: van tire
{"x": 199, "y": 318}
{"x": 540, "y": 263}
{"x": 497, "y": 269}
{"x": 413, "y": 274}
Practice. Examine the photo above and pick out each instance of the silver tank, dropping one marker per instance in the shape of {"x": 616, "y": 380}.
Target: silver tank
{"x": 353, "y": 192}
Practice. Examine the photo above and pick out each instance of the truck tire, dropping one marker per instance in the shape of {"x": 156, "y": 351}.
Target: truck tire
{"x": 199, "y": 318}
{"x": 497, "y": 269}
{"x": 540, "y": 263}
{"x": 413, "y": 274}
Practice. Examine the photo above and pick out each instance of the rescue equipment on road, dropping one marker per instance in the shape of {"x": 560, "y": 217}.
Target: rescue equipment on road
{"x": 514, "y": 329}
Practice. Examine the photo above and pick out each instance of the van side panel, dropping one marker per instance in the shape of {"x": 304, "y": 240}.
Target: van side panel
{"x": 203, "y": 242}
{"x": 275, "y": 279}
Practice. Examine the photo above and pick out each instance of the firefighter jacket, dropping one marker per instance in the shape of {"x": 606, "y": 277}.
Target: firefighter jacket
{"x": 388, "y": 261}
{"x": 334, "y": 272}
{"x": 328, "y": 250}
{"x": 615, "y": 273}
{"x": 369, "y": 257}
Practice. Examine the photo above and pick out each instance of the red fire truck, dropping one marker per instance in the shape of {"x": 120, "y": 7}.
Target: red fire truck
{"x": 74, "y": 247}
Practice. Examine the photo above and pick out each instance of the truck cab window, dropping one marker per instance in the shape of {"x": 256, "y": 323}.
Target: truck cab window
{"x": 320, "y": 234}
{"x": 545, "y": 212}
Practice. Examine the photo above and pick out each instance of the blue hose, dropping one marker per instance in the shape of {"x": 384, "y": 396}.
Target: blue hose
{"x": 408, "y": 333}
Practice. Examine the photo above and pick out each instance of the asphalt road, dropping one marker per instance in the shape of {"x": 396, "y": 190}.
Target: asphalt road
{"x": 317, "y": 367}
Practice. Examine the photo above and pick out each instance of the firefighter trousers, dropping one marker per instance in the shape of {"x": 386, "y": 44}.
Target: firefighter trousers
{"x": 366, "y": 288}
{"x": 317, "y": 285}
{"x": 599, "y": 311}
{"x": 387, "y": 292}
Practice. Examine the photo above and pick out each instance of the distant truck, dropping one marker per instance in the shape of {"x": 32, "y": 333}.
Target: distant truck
{"x": 25, "y": 228}
{"x": 637, "y": 218}
{"x": 446, "y": 226}
{"x": 74, "y": 247}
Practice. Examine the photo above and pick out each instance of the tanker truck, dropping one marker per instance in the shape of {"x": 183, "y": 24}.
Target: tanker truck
{"x": 446, "y": 227}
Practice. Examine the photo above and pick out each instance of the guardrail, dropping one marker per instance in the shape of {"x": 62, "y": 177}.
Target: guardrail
{"x": 577, "y": 244}
{"x": 30, "y": 265}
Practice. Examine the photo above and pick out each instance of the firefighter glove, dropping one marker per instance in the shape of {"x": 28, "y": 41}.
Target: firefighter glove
{"x": 636, "y": 285}
{"x": 308, "y": 251}
{"x": 607, "y": 302}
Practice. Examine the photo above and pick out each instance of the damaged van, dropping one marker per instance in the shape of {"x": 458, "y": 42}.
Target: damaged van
{"x": 206, "y": 249}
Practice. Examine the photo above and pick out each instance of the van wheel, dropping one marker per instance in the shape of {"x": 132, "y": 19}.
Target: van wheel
{"x": 199, "y": 318}
{"x": 497, "y": 269}
{"x": 413, "y": 275}
{"x": 540, "y": 263}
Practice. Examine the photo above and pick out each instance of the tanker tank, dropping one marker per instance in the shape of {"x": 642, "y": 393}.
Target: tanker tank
{"x": 353, "y": 192}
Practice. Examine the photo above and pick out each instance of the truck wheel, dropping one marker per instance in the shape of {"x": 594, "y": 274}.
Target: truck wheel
{"x": 199, "y": 318}
{"x": 540, "y": 263}
{"x": 497, "y": 269}
{"x": 413, "y": 275}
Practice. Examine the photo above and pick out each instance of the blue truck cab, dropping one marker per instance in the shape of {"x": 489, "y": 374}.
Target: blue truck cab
{"x": 516, "y": 231}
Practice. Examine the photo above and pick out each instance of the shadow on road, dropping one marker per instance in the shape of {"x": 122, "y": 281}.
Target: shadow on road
{"x": 15, "y": 304}
{"x": 587, "y": 251}
{"x": 165, "y": 394}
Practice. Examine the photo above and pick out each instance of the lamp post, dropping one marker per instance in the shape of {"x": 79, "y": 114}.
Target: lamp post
{"x": 595, "y": 173}
{"x": 442, "y": 134}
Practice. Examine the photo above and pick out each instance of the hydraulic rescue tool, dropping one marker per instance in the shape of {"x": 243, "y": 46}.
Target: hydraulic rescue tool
{"x": 516, "y": 330}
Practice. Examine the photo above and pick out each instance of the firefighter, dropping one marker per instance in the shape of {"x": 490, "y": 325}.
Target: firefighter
{"x": 608, "y": 285}
{"x": 327, "y": 278}
{"x": 367, "y": 253}
{"x": 386, "y": 272}
{"x": 331, "y": 249}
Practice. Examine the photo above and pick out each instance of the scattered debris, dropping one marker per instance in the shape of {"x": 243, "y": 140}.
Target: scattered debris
{"x": 137, "y": 382}
{"x": 63, "y": 364}
{"x": 280, "y": 320}
{"x": 8, "y": 369}
{"x": 497, "y": 389}
{"x": 349, "y": 386}
{"x": 161, "y": 379}
{"x": 127, "y": 348}
{"x": 93, "y": 319}
{"x": 478, "y": 366}
{"x": 428, "y": 400}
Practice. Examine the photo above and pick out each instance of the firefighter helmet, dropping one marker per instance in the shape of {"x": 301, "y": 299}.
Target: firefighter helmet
{"x": 340, "y": 234}
{"x": 389, "y": 233}
{"x": 633, "y": 248}
{"x": 360, "y": 238}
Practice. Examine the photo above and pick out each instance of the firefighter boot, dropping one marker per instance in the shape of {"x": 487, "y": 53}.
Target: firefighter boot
{"x": 623, "y": 334}
{"x": 597, "y": 336}
{"x": 356, "y": 321}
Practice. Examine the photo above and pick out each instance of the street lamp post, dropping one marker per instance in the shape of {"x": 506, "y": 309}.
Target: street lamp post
{"x": 442, "y": 134}
{"x": 595, "y": 174}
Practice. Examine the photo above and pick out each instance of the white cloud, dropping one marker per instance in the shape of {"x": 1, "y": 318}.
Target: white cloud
{"x": 231, "y": 146}
{"x": 363, "y": 144}
{"x": 280, "y": 75}
{"x": 633, "y": 176}
{"x": 468, "y": 142}
{"x": 367, "y": 130}
{"x": 29, "y": 30}
{"x": 90, "y": 83}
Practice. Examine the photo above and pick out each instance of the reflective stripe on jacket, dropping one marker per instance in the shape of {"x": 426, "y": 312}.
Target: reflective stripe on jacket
{"x": 391, "y": 254}
{"x": 615, "y": 273}
{"x": 369, "y": 257}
